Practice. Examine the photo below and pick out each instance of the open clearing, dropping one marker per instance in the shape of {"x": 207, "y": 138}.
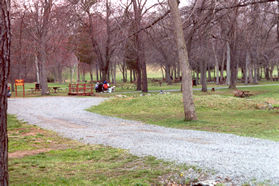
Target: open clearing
{"x": 232, "y": 157}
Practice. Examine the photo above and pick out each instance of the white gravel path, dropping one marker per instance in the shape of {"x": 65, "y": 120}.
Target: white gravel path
{"x": 238, "y": 158}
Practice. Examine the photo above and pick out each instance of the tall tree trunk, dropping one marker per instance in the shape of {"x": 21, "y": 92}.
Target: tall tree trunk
{"x": 114, "y": 73}
{"x": 174, "y": 72}
{"x": 250, "y": 70}
{"x": 228, "y": 71}
{"x": 168, "y": 79}
{"x": 5, "y": 42}
{"x": 83, "y": 73}
{"x": 142, "y": 74}
{"x": 59, "y": 70}
{"x": 138, "y": 79}
{"x": 267, "y": 73}
{"x": 233, "y": 69}
{"x": 189, "y": 107}
{"x": 216, "y": 65}
{"x": 134, "y": 75}
{"x": 97, "y": 74}
{"x": 255, "y": 79}
{"x": 42, "y": 68}
{"x": 203, "y": 76}
{"x": 247, "y": 67}
{"x": 209, "y": 72}
{"x": 197, "y": 77}
{"x": 42, "y": 57}
{"x": 162, "y": 70}
{"x": 78, "y": 73}
{"x": 71, "y": 74}
{"x": 277, "y": 21}
{"x": 222, "y": 67}
{"x": 271, "y": 71}
{"x": 131, "y": 76}
{"x": 105, "y": 66}
{"x": 37, "y": 69}
{"x": 178, "y": 71}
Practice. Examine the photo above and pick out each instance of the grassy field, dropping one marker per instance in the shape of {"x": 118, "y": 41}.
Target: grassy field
{"x": 217, "y": 111}
{"x": 41, "y": 157}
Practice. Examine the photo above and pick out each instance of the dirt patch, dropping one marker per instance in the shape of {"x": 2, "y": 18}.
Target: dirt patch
{"x": 21, "y": 154}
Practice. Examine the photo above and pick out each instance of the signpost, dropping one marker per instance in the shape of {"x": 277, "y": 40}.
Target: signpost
{"x": 19, "y": 82}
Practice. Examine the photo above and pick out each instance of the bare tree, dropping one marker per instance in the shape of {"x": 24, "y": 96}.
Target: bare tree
{"x": 5, "y": 40}
{"x": 189, "y": 107}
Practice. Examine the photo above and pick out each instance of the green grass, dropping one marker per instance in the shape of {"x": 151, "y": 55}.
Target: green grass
{"x": 217, "y": 112}
{"x": 67, "y": 162}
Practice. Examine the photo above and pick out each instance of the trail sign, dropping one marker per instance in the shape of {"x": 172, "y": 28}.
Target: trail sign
{"x": 19, "y": 82}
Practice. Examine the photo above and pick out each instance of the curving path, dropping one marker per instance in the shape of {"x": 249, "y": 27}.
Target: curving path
{"x": 238, "y": 158}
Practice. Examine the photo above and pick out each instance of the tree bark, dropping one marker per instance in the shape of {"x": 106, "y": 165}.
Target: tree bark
{"x": 233, "y": 69}
{"x": 142, "y": 74}
{"x": 138, "y": 78}
{"x": 71, "y": 74}
{"x": 42, "y": 56}
{"x": 277, "y": 21}
{"x": 216, "y": 65}
{"x": 83, "y": 73}
{"x": 255, "y": 79}
{"x": 42, "y": 69}
{"x": 5, "y": 43}
{"x": 209, "y": 72}
{"x": 222, "y": 67}
{"x": 37, "y": 69}
{"x": 131, "y": 76}
{"x": 78, "y": 72}
{"x": 228, "y": 71}
{"x": 97, "y": 74}
{"x": 247, "y": 68}
{"x": 203, "y": 76}
{"x": 168, "y": 79}
{"x": 187, "y": 92}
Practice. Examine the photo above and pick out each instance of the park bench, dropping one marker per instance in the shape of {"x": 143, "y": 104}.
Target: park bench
{"x": 242, "y": 93}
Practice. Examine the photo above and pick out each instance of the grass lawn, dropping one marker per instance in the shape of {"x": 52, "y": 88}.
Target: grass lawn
{"x": 217, "y": 111}
{"x": 40, "y": 157}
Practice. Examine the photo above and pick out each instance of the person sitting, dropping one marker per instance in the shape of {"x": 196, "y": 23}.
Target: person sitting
{"x": 97, "y": 85}
{"x": 100, "y": 87}
{"x": 105, "y": 86}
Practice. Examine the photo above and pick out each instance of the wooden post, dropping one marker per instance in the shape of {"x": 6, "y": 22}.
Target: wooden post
{"x": 70, "y": 88}
{"x": 77, "y": 89}
{"x": 84, "y": 89}
{"x": 23, "y": 90}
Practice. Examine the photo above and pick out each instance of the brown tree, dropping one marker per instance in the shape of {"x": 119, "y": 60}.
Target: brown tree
{"x": 4, "y": 73}
{"x": 189, "y": 107}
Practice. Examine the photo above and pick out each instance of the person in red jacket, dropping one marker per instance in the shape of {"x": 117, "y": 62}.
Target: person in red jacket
{"x": 105, "y": 86}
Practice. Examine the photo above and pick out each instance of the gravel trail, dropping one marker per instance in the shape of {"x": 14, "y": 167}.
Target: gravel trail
{"x": 238, "y": 158}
